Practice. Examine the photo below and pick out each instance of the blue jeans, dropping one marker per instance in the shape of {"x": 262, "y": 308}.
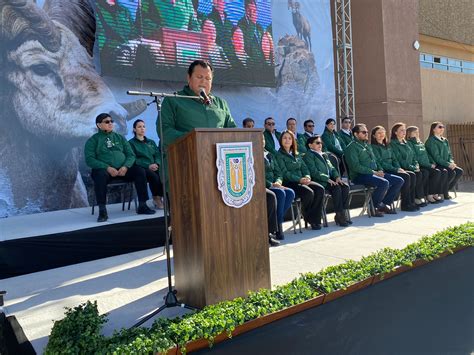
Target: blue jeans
{"x": 284, "y": 199}
{"x": 386, "y": 187}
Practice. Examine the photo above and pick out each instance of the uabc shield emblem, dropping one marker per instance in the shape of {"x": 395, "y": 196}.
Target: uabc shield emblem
{"x": 235, "y": 173}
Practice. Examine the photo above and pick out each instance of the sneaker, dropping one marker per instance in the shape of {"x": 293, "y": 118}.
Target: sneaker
{"x": 144, "y": 209}
{"x": 273, "y": 242}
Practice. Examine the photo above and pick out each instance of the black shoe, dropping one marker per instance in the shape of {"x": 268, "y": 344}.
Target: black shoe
{"x": 144, "y": 209}
{"x": 409, "y": 208}
{"x": 448, "y": 197}
{"x": 315, "y": 227}
{"x": 423, "y": 204}
{"x": 377, "y": 213}
{"x": 348, "y": 221}
{"x": 280, "y": 236}
{"x": 385, "y": 209}
{"x": 273, "y": 242}
{"x": 103, "y": 217}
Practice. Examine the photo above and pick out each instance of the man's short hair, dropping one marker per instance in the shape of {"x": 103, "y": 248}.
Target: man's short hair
{"x": 101, "y": 117}
{"x": 346, "y": 118}
{"x": 248, "y": 2}
{"x": 266, "y": 119}
{"x": 307, "y": 121}
{"x": 291, "y": 119}
{"x": 202, "y": 63}
{"x": 247, "y": 120}
{"x": 357, "y": 127}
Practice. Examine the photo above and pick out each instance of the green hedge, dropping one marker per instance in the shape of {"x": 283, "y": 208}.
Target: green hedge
{"x": 80, "y": 331}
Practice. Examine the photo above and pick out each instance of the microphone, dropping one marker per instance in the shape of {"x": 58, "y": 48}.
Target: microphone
{"x": 204, "y": 97}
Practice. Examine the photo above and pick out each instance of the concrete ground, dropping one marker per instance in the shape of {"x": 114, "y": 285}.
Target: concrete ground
{"x": 129, "y": 286}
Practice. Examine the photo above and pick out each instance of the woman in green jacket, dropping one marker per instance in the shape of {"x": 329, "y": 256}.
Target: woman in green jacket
{"x": 406, "y": 158}
{"x": 332, "y": 142}
{"x": 148, "y": 157}
{"x": 297, "y": 177}
{"x": 439, "y": 150}
{"x": 437, "y": 178}
{"x": 390, "y": 165}
{"x": 324, "y": 173}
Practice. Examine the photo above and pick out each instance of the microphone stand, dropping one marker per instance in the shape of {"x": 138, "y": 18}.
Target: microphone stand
{"x": 170, "y": 299}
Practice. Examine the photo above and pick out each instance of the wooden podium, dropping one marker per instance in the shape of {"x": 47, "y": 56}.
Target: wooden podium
{"x": 219, "y": 252}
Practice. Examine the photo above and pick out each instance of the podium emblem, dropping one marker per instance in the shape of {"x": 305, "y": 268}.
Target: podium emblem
{"x": 235, "y": 173}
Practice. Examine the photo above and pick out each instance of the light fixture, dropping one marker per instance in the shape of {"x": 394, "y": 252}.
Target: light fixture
{"x": 416, "y": 45}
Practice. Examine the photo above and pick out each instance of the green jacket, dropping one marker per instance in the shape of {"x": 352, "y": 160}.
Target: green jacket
{"x": 269, "y": 143}
{"x": 180, "y": 116}
{"x": 159, "y": 13}
{"x": 272, "y": 171}
{"x": 421, "y": 155}
{"x": 360, "y": 159}
{"x": 385, "y": 158}
{"x": 320, "y": 168}
{"x": 301, "y": 141}
{"x": 329, "y": 140}
{"x": 114, "y": 25}
{"x": 405, "y": 155}
{"x": 439, "y": 151}
{"x": 292, "y": 168}
{"x": 108, "y": 149}
{"x": 253, "y": 34}
{"x": 146, "y": 152}
{"x": 346, "y": 138}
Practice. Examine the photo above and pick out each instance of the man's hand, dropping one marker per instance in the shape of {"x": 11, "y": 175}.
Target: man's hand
{"x": 379, "y": 173}
{"x": 112, "y": 171}
{"x": 122, "y": 171}
{"x": 153, "y": 167}
{"x": 332, "y": 182}
{"x": 276, "y": 184}
{"x": 305, "y": 181}
{"x": 452, "y": 166}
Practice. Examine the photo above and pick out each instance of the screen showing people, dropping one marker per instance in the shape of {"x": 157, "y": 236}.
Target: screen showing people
{"x": 155, "y": 39}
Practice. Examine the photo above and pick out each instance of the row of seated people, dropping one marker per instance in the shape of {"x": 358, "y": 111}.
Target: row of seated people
{"x": 419, "y": 173}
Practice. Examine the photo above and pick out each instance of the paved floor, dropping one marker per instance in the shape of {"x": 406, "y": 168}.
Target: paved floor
{"x": 129, "y": 286}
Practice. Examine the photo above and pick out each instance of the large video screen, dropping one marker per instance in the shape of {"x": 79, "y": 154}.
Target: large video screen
{"x": 158, "y": 39}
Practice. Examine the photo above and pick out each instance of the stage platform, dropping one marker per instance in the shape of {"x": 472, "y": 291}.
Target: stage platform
{"x": 131, "y": 285}
{"x": 43, "y": 241}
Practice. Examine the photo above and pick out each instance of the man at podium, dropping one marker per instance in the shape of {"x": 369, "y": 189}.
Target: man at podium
{"x": 180, "y": 116}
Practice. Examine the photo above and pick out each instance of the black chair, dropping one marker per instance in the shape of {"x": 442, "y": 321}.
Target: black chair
{"x": 125, "y": 187}
{"x": 296, "y": 217}
{"x": 359, "y": 190}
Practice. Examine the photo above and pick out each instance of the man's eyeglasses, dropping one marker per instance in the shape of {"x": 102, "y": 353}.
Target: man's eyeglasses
{"x": 364, "y": 132}
{"x": 270, "y": 123}
{"x": 108, "y": 121}
{"x": 310, "y": 126}
{"x": 318, "y": 143}
{"x": 440, "y": 126}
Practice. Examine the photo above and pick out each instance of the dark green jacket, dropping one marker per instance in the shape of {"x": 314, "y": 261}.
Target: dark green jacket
{"x": 159, "y": 13}
{"x": 272, "y": 171}
{"x": 146, "y": 152}
{"x": 253, "y": 34}
{"x": 108, "y": 149}
{"x": 180, "y": 116}
{"x": 301, "y": 141}
{"x": 439, "y": 151}
{"x": 385, "y": 158}
{"x": 269, "y": 143}
{"x": 421, "y": 155}
{"x": 405, "y": 155}
{"x": 292, "y": 168}
{"x": 329, "y": 140}
{"x": 114, "y": 25}
{"x": 360, "y": 159}
{"x": 346, "y": 138}
{"x": 320, "y": 168}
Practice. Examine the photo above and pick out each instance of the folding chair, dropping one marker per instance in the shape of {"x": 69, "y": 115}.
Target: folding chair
{"x": 125, "y": 186}
{"x": 296, "y": 217}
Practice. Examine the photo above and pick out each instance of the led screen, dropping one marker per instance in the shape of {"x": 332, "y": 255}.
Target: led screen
{"x": 157, "y": 39}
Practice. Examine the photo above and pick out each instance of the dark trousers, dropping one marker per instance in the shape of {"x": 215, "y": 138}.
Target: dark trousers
{"x": 271, "y": 212}
{"x": 421, "y": 181}
{"x": 340, "y": 196}
{"x": 311, "y": 200}
{"x": 453, "y": 177}
{"x": 435, "y": 178}
{"x": 154, "y": 180}
{"x": 101, "y": 178}
{"x": 408, "y": 190}
{"x": 386, "y": 188}
{"x": 284, "y": 199}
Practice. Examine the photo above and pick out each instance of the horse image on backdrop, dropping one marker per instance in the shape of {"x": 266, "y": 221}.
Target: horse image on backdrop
{"x": 50, "y": 94}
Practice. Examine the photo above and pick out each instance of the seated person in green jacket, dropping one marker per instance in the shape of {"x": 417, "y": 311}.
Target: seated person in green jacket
{"x": 332, "y": 142}
{"x": 387, "y": 161}
{"x": 437, "y": 178}
{"x": 271, "y": 135}
{"x": 110, "y": 156}
{"x": 148, "y": 157}
{"x": 440, "y": 152}
{"x": 297, "y": 177}
{"x": 324, "y": 173}
{"x": 363, "y": 169}
{"x": 291, "y": 126}
{"x": 345, "y": 133}
{"x": 248, "y": 123}
{"x": 406, "y": 158}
